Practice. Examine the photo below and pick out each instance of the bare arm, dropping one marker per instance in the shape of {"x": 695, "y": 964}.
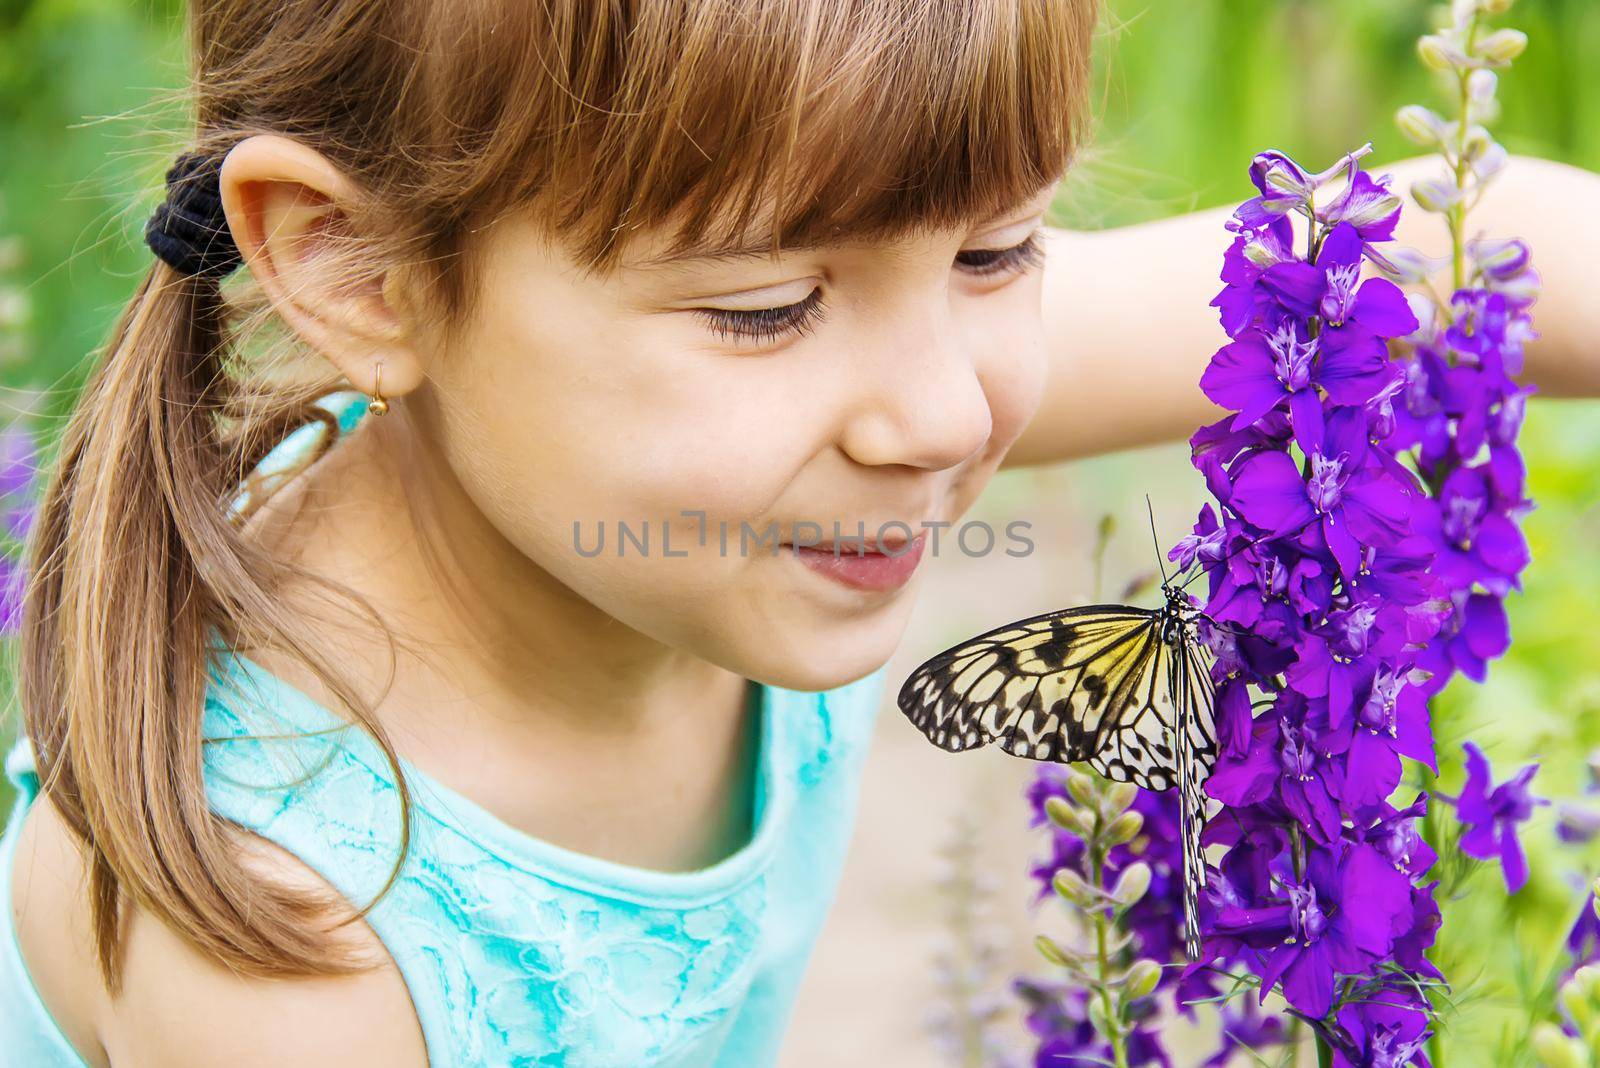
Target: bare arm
{"x": 1129, "y": 327}
{"x": 180, "y": 1009}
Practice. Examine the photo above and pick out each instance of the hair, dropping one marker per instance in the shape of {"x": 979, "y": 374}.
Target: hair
{"x": 854, "y": 119}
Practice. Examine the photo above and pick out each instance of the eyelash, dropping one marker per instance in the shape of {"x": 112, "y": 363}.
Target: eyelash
{"x": 769, "y": 323}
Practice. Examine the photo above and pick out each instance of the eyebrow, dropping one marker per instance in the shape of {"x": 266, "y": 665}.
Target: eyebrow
{"x": 762, "y": 247}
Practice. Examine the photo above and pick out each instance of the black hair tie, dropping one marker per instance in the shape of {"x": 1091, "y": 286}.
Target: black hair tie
{"x": 189, "y": 230}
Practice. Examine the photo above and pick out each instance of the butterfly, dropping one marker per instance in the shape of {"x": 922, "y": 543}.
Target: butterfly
{"x": 1128, "y": 690}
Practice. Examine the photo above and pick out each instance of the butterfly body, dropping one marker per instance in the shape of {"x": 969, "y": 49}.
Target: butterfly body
{"x": 1128, "y": 690}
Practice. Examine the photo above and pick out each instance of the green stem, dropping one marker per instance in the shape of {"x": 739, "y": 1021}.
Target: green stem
{"x": 1457, "y": 216}
{"x": 1324, "y": 1054}
{"x": 1119, "y": 1048}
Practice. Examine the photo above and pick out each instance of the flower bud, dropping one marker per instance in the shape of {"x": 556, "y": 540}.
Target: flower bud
{"x": 1050, "y": 951}
{"x": 1554, "y": 1049}
{"x": 1275, "y": 171}
{"x": 1475, "y": 145}
{"x": 1501, "y": 47}
{"x": 1580, "y": 1008}
{"x": 1427, "y": 312}
{"x": 1421, "y": 125}
{"x": 1587, "y": 980}
{"x": 1438, "y": 53}
{"x": 1070, "y": 885}
{"x": 1064, "y": 815}
{"x": 1085, "y": 789}
{"x": 1408, "y": 266}
{"x": 1141, "y": 979}
{"x": 1258, "y": 253}
{"x": 1105, "y": 1025}
{"x": 1118, "y": 796}
{"x": 1521, "y": 289}
{"x": 1500, "y": 257}
{"x": 1435, "y": 194}
{"x": 1481, "y": 85}
{"x": 1125, "y": 828}
{"x": 1488, "y": 166}
{"x": 1132, "y": 885}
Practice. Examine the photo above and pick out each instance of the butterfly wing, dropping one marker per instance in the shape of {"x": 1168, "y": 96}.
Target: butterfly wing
{"x": 1093, "y": 684}
{"x": 1138, "y": 743}
{"x": 1197, "y": 753}
{"x": 1041, "y": 687}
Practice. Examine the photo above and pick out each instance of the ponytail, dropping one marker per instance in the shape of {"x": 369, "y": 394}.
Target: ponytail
{"x": 134, "y": 562}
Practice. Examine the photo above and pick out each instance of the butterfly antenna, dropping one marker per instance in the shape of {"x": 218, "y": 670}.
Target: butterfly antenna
{"x": 1154, "y": 540}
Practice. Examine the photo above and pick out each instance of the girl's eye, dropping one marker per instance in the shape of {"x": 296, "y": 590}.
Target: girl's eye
{"x": 1017, "y": 258}
{"x": 765, "y": 323}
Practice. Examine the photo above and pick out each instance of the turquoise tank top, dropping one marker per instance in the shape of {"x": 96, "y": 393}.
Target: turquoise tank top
{"x": 517, "y": 951}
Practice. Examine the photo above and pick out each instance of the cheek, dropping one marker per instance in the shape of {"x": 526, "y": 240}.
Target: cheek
{"x": 563, "y": 422}
{"x": 580, "y": 413}
{"x": 1012, "y": 365}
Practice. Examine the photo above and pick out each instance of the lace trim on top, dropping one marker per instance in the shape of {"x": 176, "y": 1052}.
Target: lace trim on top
{"x": 514, "y": 950}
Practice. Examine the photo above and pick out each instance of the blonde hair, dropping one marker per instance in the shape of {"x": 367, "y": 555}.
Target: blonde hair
{"x": 855, "y": 118}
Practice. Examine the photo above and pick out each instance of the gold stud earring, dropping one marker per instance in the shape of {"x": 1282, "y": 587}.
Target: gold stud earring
{"x": 377, "y": 405}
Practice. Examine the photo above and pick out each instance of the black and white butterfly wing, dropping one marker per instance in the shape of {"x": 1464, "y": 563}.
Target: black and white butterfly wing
{"x": 1096, "y": 684}
{"x": 1041, "y": 687}
{"x": 1165, "y": 735}
{"x": 1197, "y": 754}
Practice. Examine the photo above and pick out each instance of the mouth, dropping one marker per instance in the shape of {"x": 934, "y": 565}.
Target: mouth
{"x": 865, "y": 564}
{"x": 853, "y": 546}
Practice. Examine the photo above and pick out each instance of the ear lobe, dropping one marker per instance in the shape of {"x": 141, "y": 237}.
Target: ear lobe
{"x": 283, "y": 202}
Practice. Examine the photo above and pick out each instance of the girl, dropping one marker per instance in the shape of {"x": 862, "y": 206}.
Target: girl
{"x": 364, "y": 754}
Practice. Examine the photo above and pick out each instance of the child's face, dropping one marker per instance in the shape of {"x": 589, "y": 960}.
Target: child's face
{"x": 576, "y": 401}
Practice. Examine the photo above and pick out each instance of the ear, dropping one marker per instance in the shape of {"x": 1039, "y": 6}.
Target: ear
{"x": 282, "y": 200}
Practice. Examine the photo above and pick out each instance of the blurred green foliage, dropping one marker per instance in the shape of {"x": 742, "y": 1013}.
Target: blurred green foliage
{"x": 1189, "y": 91}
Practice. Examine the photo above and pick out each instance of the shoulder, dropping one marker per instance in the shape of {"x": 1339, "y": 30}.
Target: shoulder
{"x": 180, "y": 1008}
{"x": 49, "y": 912}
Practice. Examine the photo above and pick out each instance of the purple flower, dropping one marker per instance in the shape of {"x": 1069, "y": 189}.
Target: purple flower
{"x": 1260, "y": 372}
{"x": 1365, "y": 204}
{"x": 1475, "y": 542}
{"x": 1353, "y": 504}
{"x": 1583, "y": 941}
{"x": 1339, "y": 920}
{"x": 1577, "y": 824}
{"x": 1391, "y": 722}
{"x": 16, "y": 460}
{"x": 1489, "y": 817}
{"x": 1356, "y": 557}
{"x": 1384, "y": 1029}
{"x": 1475, "y": 631}
{"x": 1375, "y": 306}
{"x": 17, "y": 511}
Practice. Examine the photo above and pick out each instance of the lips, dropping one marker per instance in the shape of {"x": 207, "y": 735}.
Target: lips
{"x": 850, "y": 564}
{"x": 890, "y": 542}
{"x": 853, "y": 547}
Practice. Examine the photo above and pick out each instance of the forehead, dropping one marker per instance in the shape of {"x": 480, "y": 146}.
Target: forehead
{"x": 664, "y": 250}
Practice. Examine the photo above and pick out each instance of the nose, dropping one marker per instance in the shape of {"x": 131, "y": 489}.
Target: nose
{"x": 924, "y": 403}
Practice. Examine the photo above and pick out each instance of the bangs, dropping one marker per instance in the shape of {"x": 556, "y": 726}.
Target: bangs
{"x": 821, "y": 121}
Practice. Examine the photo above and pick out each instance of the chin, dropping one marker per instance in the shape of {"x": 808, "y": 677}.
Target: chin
{"x": 827, "y": 660}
